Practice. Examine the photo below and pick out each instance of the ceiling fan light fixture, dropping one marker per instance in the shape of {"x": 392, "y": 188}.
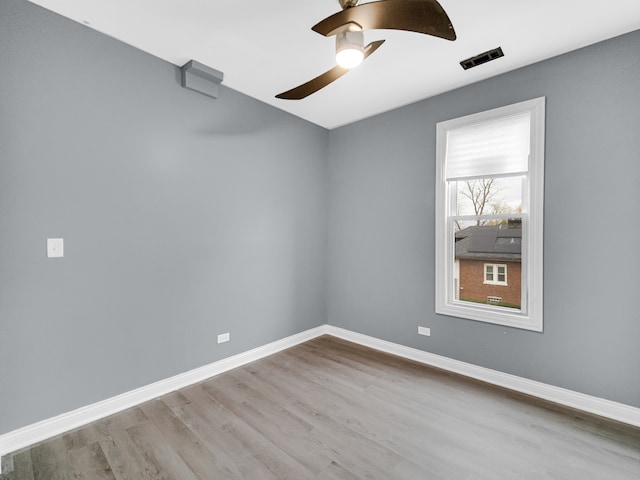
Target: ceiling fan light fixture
{"x": 420, "y": 16}
{"x": 349, "y": 49}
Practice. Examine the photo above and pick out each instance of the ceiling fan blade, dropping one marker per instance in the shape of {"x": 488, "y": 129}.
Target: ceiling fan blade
{"x": 421, "y": 16}
{"x": 312, "y": 86}
{"x": 325, "y": 79}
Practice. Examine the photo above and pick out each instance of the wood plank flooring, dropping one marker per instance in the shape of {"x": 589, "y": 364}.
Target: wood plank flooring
{"x": 330, "y": 410}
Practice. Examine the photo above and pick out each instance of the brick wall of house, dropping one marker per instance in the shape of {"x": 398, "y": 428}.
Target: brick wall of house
{"x": 472, "y": 284}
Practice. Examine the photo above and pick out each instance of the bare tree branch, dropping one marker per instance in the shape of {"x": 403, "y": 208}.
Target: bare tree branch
{"x": 481, "y": 193}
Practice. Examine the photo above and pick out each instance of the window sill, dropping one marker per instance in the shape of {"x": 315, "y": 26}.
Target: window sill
{"x": 491, "y": 314}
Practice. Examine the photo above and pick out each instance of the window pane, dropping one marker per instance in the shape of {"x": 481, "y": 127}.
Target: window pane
{"x": 483, "y": 256}
{"x": 488, "y": 196}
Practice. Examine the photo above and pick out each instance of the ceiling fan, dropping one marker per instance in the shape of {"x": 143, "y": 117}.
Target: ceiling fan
{"x": 421, "y": 16}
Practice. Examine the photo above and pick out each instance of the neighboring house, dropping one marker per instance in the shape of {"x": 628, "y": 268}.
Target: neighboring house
{"x": 488, "y": 264}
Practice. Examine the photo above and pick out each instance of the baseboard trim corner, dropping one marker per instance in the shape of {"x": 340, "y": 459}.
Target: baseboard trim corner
{"x": 51, "y": 427}
{"x": 597, "y": 406}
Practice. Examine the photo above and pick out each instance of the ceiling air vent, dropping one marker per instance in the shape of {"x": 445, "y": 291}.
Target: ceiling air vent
{"x": 482, "y": 58}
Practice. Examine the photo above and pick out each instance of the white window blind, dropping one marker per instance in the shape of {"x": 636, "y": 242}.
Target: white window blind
{"x": 496, "y": 147}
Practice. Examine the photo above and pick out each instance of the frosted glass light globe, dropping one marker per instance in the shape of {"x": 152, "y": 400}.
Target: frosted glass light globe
{"x": 349, "y": 49}
{"x": 349, "y": 57}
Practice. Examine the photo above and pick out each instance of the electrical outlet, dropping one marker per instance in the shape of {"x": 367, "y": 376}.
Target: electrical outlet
{"x": 424, "y": 331}
{"x": 223, "y": 337}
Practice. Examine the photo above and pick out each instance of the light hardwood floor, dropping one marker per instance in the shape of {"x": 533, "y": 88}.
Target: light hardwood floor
{"x": 329, "y": 409}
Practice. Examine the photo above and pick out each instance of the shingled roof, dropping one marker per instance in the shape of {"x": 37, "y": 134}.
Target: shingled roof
{"x": 489, "y": 242}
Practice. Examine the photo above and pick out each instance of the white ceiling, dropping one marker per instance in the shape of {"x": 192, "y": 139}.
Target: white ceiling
{"x": 265, "y": 47}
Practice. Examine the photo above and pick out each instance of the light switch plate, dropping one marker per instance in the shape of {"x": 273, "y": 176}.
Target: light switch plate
{"x": 55, "y": 247}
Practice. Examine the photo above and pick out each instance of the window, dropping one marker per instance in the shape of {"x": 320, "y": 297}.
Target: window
{"x": 495, "y": 274}
{"x": 489, "y": 215}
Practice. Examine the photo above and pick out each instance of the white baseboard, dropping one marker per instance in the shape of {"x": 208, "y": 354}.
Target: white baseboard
{"x": 38, "y": 432}
{"x": 51, "y": 427}
{"x": 598, "y": 406}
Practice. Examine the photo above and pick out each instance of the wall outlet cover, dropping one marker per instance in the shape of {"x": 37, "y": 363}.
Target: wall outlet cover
{"x": 55, "y": 247}
{"x": 424, "y": 331}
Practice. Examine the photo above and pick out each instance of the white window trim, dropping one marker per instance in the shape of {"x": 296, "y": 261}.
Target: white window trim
{"x": 530, "y": 317}
{"x": 494, "y": 269}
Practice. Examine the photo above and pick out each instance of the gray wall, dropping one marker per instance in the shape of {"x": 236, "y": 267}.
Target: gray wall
{"x": 381, "y": 225}
{"x": 183, "y": 217}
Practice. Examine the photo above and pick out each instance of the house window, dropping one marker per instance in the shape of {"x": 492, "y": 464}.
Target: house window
{"x": 495, "y": 274}
{"x": 489, "y": 207}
